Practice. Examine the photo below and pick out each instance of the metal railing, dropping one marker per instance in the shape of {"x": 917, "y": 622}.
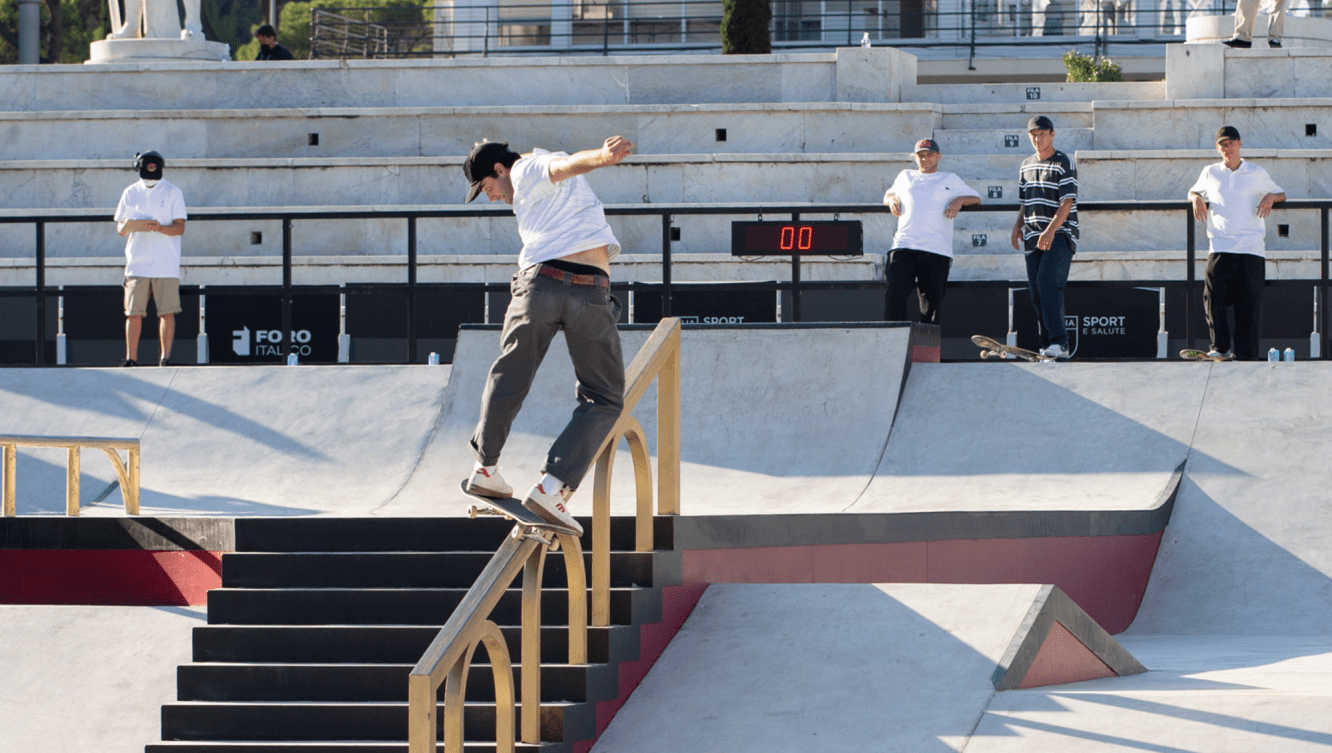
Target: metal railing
{"x": 642, "y": 25}
{"x": 667, "y": 213}
{"x": 126, "y": 472}
{"x": 449, "y": 656}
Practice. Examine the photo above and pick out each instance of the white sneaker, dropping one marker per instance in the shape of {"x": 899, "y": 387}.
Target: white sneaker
{"x": 549, "y": 506}
{"x": 1217, "y": 354}
{"x": 1056, "y": 351}
{"x": 487, "y": 482}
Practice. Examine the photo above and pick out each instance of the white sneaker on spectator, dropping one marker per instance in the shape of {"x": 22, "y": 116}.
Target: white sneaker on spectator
{"x": 1217, "y": 354}
{"x": 487, "y": 482}
{"x": 1056, "y": 351}
{"x": 549, "y": 505}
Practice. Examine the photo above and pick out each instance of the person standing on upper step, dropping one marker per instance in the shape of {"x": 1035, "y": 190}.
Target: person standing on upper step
{"x": 269, "y": 49}
{"x": 927, "y": 201}
{"x": 152, "y": 214}
{"x": 1046, "y": 230}
{"x": 1240, "y": 195}
{"x": 1246, "y": 13}
{"x": 563, "y": 284}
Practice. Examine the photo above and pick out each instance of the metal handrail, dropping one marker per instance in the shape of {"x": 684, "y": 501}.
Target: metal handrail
{"x": 127, "y": 472}
{"x": 449, "y": 656}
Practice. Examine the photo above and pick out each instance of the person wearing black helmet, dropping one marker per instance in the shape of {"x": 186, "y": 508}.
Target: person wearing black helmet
{"x": 152, "y": 214}
{"x": 563, "y": 283}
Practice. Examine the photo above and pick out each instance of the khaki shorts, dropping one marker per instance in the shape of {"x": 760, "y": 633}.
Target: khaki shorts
{"x": 165, "y": 290}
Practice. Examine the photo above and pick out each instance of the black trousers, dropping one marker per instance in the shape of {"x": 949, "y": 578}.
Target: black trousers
{"x": 1235, "y": 280}
{"x": 927, "y": 272}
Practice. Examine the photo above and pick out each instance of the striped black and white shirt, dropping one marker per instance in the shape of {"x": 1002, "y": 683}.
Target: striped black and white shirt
{"x": 1044, "y": 184}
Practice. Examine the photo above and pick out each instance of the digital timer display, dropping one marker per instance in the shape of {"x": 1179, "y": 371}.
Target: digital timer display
{"x": 814, "y": 238}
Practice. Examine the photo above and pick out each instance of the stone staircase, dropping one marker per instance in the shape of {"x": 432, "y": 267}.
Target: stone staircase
{"x": 319, "y": 621}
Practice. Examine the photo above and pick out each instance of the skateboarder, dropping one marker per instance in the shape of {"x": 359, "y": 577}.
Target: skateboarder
{"x": 563, "y": 283}
{"x": 927, "y": 200}
{"x": 1241, "y": 195}
{"x": 1047, "y": 229}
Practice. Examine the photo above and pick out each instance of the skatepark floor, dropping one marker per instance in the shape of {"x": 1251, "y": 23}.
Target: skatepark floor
{"x": 1235, "y": 629}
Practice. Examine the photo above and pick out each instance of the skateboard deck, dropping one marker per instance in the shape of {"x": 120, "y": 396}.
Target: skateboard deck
{"x": 513, "y": 510}
{"x": 991, "y": 348}
{"x": 1189, "y": 354}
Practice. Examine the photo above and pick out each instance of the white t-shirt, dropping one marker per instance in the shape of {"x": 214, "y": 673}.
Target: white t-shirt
{"x": 1233, "y": 224}
{"x": 556, "y": 219}
{"x": 150, "y": 254}
{"x": 924, "y": 198}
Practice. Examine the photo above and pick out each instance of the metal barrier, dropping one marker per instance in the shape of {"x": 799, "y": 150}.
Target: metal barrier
{"x": 127, "y": 472}
{"x": 449, "y": 656}
{"x": 667, "y": 213}
{"x": 578, "y": 27}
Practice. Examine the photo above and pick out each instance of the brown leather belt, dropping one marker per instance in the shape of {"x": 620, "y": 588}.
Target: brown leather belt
{"x": 600, "y": 281}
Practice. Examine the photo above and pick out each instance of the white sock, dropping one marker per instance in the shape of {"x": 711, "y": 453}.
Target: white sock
{"x": 551, "y": 485}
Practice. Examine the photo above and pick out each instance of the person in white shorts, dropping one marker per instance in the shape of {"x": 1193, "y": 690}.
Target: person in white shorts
{"x": 927, "y": 201}
{"x": 563, "y": 283}
{"x": 152, "y": 213}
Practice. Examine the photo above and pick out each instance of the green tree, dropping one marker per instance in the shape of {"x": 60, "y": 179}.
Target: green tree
{"x": 231, "y": 21}
{"x": 744, "y": 27}
{"x": 67, "y": 27}
{"x": 1083, "y": 68}
{"x": 407, "y": 20}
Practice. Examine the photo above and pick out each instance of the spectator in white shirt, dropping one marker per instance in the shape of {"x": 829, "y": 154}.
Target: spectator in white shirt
{"x": 926, "y": 201}
{"x": 152, "y": 213}
{"x": 1234, "y": 197}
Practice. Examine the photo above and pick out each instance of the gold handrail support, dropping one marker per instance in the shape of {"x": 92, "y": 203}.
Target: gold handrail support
{"x": 658, "y": 360}
{"x": 128, "y": 477}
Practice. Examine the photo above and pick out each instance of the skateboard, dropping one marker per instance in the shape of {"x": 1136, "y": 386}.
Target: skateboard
{"x": 529, "y": 523}
{"x": 1189, "y": 354}
{"x": 991, "y": 348}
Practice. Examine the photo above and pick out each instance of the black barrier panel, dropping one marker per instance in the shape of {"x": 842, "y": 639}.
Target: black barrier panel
{"x": 248, "y": 328}
{"x": 1101, "y": 323}
{"x": 966, "y": 312}
{"x": 837, "y": 305}
{"x": 701, "y": 305}
{"x": 18, "y": 325}
{"x": 438, "y": 314}
{"x": 377, "y": 321}
{"x": 1288, "y": 318}
{"x": 95, "y": 328}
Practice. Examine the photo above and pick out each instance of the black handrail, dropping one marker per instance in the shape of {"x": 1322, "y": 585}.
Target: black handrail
{"x": 667, "y": 212}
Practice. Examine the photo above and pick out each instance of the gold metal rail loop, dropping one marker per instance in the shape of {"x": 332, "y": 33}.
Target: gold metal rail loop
{"x": 447, "y": 659}
{"x": 126, "y": 472}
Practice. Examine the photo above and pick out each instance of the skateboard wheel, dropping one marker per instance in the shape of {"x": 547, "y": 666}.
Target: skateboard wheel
{"x": 554, "y": 544}
{"x": 985, "y": 354}
{"x": 472, "y": 512}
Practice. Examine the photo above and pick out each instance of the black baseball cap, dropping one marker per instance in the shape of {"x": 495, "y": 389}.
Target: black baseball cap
{"x": 1227, "y": 132}
{"x": 480, "y": 164}
{"x": 927, "y": 145}
{"x": 1040, "y": 121}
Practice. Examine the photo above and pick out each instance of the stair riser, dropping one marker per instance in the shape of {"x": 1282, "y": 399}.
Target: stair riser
{"x": 411, "y": 534}
{"x": 386, "y": 722}
{"x": 389, "y": 645}
{"x": 405, "y": 570}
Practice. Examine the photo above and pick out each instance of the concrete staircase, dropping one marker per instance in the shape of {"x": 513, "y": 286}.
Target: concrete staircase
{"x": 310, "y": 639}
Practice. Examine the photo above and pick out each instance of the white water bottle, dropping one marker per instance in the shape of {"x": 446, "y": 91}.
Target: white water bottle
{"x": 865, "y": 40}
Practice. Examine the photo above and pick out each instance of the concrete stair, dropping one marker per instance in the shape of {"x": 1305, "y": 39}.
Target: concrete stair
{"x": 318, "y": 622}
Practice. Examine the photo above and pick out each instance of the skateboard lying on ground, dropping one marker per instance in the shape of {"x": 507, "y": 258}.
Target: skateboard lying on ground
{"x": 991, "y": 348}
{"x": 529, "y": 523}
{"x": 1189, "y": 354}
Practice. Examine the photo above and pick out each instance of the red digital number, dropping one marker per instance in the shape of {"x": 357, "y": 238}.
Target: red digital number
{"x": 806, "y": 238}
{"x": 788, "y": 238}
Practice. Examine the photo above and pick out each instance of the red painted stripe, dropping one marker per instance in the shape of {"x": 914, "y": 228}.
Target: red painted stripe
{"x": 101, "y": 577}
{"x": 1062, "y": 659}
{"x": 1105, "y": 575}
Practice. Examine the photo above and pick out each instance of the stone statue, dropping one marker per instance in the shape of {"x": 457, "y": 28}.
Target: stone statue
{"x": 160, "y": 20}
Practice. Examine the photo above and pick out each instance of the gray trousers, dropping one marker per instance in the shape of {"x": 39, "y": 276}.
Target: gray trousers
{"x": 589, "y": 316}
{"x": 1246, "y": 12}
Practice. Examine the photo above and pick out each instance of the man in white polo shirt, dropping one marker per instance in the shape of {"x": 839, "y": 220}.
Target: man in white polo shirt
{"x": 1240, "y": 195}
{"x": 152, "y": 214}
{"x": 562, "y": 284}
{"x": 927, "y": 201}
